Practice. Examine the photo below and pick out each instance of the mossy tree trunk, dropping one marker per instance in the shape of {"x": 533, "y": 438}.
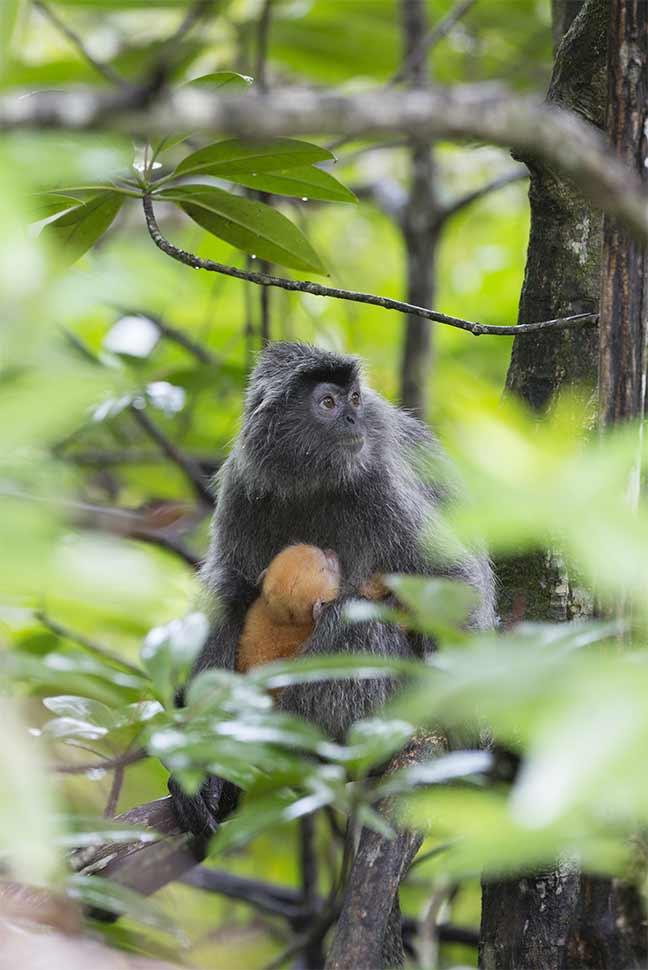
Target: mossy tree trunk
{"x": 562, "y": 918}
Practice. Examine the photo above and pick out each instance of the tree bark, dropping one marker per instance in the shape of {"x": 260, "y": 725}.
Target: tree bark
{"x": 419, "y": 232}
{"x": 622, "y": 324}
{"x": 563, "y": 918}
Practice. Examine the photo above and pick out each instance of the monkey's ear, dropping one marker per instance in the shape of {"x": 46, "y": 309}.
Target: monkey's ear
{"x": 262, "y": 576}
{"x": 318, "y": 606}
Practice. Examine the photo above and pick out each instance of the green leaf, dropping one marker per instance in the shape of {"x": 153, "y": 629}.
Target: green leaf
{"x": 457, "y": 765}
{"x": 251, "y": 226}
{"x": 222, "y": 79}
{"x": 305, "y": 182}
{"x": 235, "y": 157}
{"x": 99, "y": 893}
{"x": 73, "y": 233}
{"x": 82, "y": 708}
{"x": 374, "y": 740}
{"x": 169, "y": 142}
{"x": 47, "y": 204}
{"x": 168, "y": 652}
{"x": 438, "y": 605}
{"x": 342, "y": 666}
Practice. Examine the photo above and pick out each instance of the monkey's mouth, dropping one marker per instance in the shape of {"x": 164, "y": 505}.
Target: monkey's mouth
{"x": 352, "y": 442}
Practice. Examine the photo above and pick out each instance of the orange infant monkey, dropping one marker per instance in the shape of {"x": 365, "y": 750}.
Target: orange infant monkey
{"x": 295, "y": 587}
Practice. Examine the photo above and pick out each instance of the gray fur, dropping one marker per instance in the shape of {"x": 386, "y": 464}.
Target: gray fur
{"x": 286, "y": 482}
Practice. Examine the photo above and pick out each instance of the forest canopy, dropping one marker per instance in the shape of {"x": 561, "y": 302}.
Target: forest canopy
{"x": 183, "y": 183}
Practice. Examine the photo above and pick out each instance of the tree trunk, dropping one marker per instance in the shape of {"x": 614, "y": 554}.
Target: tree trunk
{"x": 419, "y": 232}
{"x": 561, "y": 918}
{"x": 623, "y": 308}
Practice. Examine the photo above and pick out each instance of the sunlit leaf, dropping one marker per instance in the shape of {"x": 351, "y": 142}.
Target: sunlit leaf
{"x": 73, "y": 233}
{"x": 254, "y": 227}
{"x": 306, "y": 182}
{"x": 232, "y": 157}
{"x": 107, "y": 896}
{"x": 169, "y": 651}
{"x": 229, "y": 80}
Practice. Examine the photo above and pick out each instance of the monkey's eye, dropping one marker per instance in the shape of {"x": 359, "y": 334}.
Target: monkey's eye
{"x": 355, "y": 399}
{"x": 328, "y": 402}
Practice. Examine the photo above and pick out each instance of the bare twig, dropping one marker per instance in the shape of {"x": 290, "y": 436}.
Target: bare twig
{"x": 263, "y": 40}
{"x": 431, "y": 38}
{"x": 168, "y": 543}
{"x": 188, "y": 467}
{"x": 107, "y": 764}
{"x": 97, "y": 649}
{"x": 107, "y": 458}
{"x": 196, "y": 12}
{"x": 452, "y": 208}
{"x": 105, "y": 70}
{"x": 316, "y": 289}
{"x": 115, "y": 791}
{"x": 115, "y": 521}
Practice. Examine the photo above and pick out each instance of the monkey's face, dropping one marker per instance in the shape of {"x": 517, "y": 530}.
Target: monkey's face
{"x": 338, "y": 413}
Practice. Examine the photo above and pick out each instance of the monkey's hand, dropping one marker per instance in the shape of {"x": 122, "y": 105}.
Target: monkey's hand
{"x": 335, "y": 704}
{"x": 201, "y": 814}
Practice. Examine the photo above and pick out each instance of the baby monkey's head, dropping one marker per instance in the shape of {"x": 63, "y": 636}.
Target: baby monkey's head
{"x": 298, "y": 581}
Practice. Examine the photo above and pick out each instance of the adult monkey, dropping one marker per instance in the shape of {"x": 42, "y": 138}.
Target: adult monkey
{"x": 322, "y": 459}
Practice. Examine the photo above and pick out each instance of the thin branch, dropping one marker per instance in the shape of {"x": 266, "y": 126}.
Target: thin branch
{"x": 105, "y": 70}
{"x": 262, "y": 42}
{"x": 108, "y": 764}
{"x": 97, "y": 649}
{"x": 452, "y": 208}
{"x": 188, "y": 467}
{"x": 286, "y": 902}
{"x": 169, "y": 544}
{"x": 106, "y": 458}
{"x": 316, "y": 289}
{"x": 115, "y": 791}
{"x": 431, "y": 39}
{"x": 115, "y": 521}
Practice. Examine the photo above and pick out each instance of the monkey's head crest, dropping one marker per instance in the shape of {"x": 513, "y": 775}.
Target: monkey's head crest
{"x": 309, "y": 422}
{"x": 284, "y": 365}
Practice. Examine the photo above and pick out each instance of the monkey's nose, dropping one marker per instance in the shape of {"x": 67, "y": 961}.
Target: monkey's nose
{"x": 350, "y": 419}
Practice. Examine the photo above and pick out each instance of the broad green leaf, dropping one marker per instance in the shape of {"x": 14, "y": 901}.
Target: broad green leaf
{"x": 47, "y": 204}
{"x": 450, "y": 767}
{"x": 438, "y": 605}
{"x": 169, "y": 142}
{"x": 102, "y": 894}
{"x": 262, "y": 814}
{"x": 342, "y": 666}
{"x": 306, "y": 182}
{"x": 82, "y": 708}
{"x": 251, "y": 226}
{"x": 73, "y": 233}
{"x": 222, "y": 79}
{"x": 168, "y": 653}
{"x": 374, "y": 740}
{"x": 234, "y": 157}
{"x": 224, "y": 690}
